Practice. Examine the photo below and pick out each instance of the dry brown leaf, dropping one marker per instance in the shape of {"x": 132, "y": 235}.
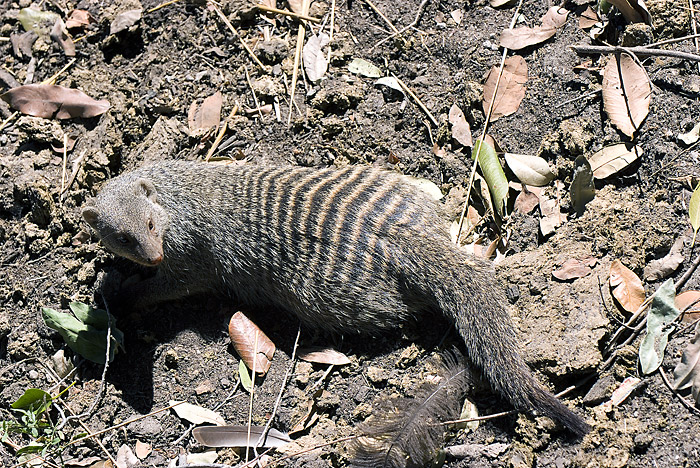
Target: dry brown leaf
{"x": 555, "y": 17}
{"x": 324, "y": 356}
{"x": 626, "y": 111}
{"x": 664, "y": 267}
{"x": 588, "y": 18}
{"x": 552, "y": 217}
{"x": 634, "y": 11}
{"x": 125, "y": 20}
{"x": 574, "y": 268}
{"x": 50, "y": 101}
{"x": 688, "y": 302}
{"x": 79, "y": 19}
{"x": 142, "y": 449}
{"x": 511, "y": 89}
{"x": 524, "y": 36}
{"x": 315, "y": 62}
{"x": 206, "y": 115}
{"x": 626, "y": 287}
{"x": 59, "y": 34}
{"x": 461, "y": 131}
{"x": 196, "y": 414}
{"x": 613, "y": 159}
{"x": 309, "y": 416}
{"x": 526, "y": 202}
{"x": 244, "y": 335}
{"x": 687, "y": 372}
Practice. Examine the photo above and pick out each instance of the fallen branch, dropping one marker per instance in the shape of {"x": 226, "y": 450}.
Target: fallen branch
{"x": 645, "y": 51}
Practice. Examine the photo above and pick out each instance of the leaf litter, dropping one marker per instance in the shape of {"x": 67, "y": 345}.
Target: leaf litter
{"x": 511, "y": 88}
{"x": 626, "y": 93}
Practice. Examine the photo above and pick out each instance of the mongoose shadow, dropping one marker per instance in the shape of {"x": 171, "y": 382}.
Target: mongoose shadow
{"x": 353, "y": 251}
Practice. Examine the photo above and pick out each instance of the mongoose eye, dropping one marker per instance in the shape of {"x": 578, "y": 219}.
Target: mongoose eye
{"x": 151, "y": 226}
{"x": 122, "y": 239}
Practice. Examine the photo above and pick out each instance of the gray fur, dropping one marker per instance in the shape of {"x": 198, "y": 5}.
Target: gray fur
{"x": 355, "y": 250}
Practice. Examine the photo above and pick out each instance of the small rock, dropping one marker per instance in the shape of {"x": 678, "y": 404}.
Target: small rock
{"x": 600, "y": 391}
{"x": 377, "y": 375}
{"x": 204, "y": 387}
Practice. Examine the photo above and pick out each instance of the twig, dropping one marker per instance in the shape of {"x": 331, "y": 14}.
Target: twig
{"x": 583, "y": 96}
{"x": 686, "y": 276}
{"x": 297, "y": 58}
{"x": 486, "y": 125}
{"x": 53, "y": 78}
{"x": 235, "y": 33}
{"x": 695, "y": 28}
{"x": 220, "y": 135}
{"x": 162, "y": 5}
{"x": 65, "y": 162}
{"x": 676, "y": 394}
{"x": 291, "y": 14}
{"x": 415, "y": 98}
{"x": 673, "y": 41}
{"x": 255, "y": 96}
{"x": 381, "y": 15}
{"x": 644, "y": 51}
{"x": 7, "y": 120}
{"x": 99, "y": 433}
{"x": 330, "y": 35}
{"x": 421, "y": 9}
{"x": 310, "y": 449}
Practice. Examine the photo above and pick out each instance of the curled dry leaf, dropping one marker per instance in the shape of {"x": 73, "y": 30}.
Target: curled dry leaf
{"x": 79, "y": 19}
{"x": 634, "y": 11}
{"x": 125, "y": 20}
{"x": 524, "y": 36}
{"x": 196, "y": 414}
{"x": 613, "y": 159}
{"x": 688, "y": 302}
{"x": 626, "y": 287}
{"x": 530, "y": 170}
{"x": 626, "y": 93}
{"x": 315, "y": 63}
{"x": 687, "y": 372}
{"x": 324, "y": 356}
{"x": 574, "y": 268}
{"x": 142, "y": 449}
{"x": 552, "y": 217}
{"x": 526, "y": 201}
{"x": 362, "y": 67}
{"x": 206, "y": 115}
{"x": 244, "y": 335}
{"x": 588, "y": 18}
{"x": 622, "y": 392}
{"x": 50, "y": 101}
{"x": 511, "y": 89}
{"x": 662, "y": 313}
{"x": 664, "y": 267}
{"x": 582, "y": 188}
{"x": 460, "y": 127}
{"x": 126, "y": 458}
{"x": 59, "y": 34}
{"x": 694, "y": 212}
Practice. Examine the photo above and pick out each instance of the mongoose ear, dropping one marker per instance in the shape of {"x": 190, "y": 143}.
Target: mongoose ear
{"x": 146, "y": 187}
{"x": 90, "y": 214}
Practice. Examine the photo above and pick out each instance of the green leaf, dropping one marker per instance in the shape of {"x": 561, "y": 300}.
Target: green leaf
{"x": 582, "y": 188}
{"x": 362, "y": 67}
{"x": 34, "y": 399}
{"x": 36, "y": 20}
{"x": 246, "y": 381}
{"x": 661, "y": 314}
{"x": 87, "y": 334}
{"x": 493, "y": 174}
{"x": 694, "y": 212}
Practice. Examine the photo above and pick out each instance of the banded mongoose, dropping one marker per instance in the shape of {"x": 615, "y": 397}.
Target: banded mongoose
{"x": 347, "y": 250}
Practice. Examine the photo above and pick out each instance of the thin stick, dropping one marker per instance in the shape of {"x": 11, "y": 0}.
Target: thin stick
{"x": 65, "y": 162}
{"x": 220, "y": 135}
{"x": 8, "y": 120}
{"x": 252, "y": 393}
{"x": 674, "y": 40}
{"x": 310, "y": 449}
{"x": 415, "y": 98}
{"x": 381, "y": 15}
{"x": 421, "y": 9}
{"x": 486, "y": 124}
{"x": 255, "y": 96}
{"x": 235, "y": 33}
{"x": 52, "y": 79}
{"x": 583, "y": 96}
{"x": 297, "y": 58}
{"x": 291, "y": 14}
{"x": 644, "y": 51}
{"x": 156, "y": 8}
{"x": 695, "y": 28}
{"x": 675, "y": 393}
{"x": 330, "y": 36}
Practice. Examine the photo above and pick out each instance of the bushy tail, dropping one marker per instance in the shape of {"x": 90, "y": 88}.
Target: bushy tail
{"x": 466, "y": 290}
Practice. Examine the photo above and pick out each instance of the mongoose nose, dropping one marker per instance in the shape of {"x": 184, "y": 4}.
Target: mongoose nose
{"x": 157, "y": 260}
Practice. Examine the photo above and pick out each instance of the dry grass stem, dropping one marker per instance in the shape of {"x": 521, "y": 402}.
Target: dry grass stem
{"x": 381, "y": 15}
{"x": 415, "y": 98}
{"x": 235, "y": 33}
{"x": 291, "y": 14}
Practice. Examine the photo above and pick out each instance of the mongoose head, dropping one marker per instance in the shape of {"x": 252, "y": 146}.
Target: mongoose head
{"x": 129, "y": 221}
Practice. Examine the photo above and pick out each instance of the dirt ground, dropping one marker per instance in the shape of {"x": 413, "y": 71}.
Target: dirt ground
{"x": 182, "y": 53}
